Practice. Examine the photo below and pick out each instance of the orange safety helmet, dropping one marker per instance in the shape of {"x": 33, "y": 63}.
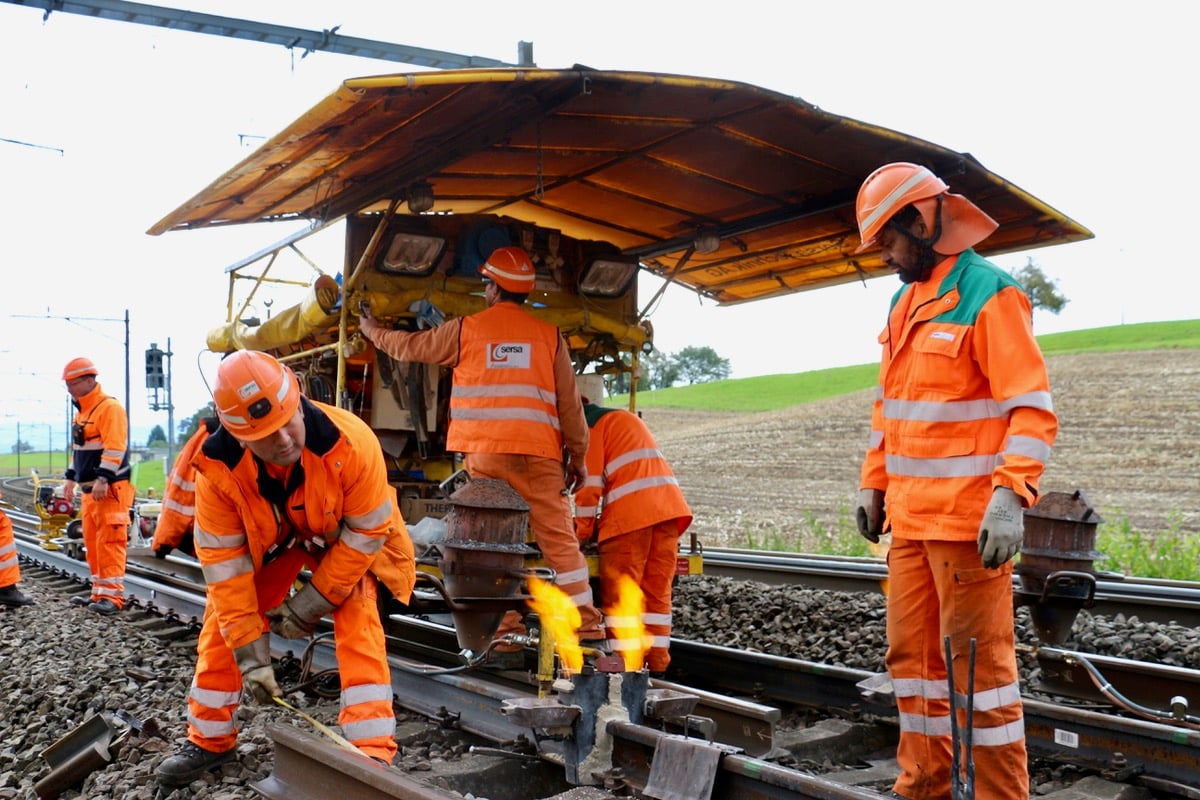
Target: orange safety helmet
{"x": 511, "y": 268}
{"x": 255, "y": 395}
{"x": 78, "y": 367}
{"x": 892, "y": 187}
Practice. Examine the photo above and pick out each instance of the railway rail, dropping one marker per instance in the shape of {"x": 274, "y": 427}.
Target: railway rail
{"x": 723, "y": 727}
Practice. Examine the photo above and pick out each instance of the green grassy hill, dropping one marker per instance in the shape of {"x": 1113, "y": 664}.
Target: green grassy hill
{"x": 772, "y": 392}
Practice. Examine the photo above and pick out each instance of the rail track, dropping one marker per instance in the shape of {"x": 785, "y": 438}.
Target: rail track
{"x": 724, "y": 727}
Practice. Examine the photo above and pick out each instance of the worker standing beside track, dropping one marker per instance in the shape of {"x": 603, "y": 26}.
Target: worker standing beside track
{"x": 100, "y": 468}
{"x": 513, "y": 410}
{"x": 632, "y": 506}
{"x": 10, "y": 567}
{"x": 960, "y": 434}
{"x": 286, "y": 483}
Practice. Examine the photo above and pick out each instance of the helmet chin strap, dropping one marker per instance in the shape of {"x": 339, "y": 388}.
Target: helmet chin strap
{"x": 926, "y": 256}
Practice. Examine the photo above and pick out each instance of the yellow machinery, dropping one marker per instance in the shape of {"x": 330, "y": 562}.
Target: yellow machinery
{"x": 56, "y": 512}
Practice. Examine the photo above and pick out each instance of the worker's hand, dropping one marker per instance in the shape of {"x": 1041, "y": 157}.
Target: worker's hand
{"x": 69, "y": 491}
{"x": 258, "y": 676}
{"x": 163, "y": 550}
{"x": 576, "y": 475}
{"x": 868, "y": 512}
{"x": 1002, "y": 529}
{"x": 100, "y": 488}
{"x": 366, "y": 320}
{"x": 298, "y": 616}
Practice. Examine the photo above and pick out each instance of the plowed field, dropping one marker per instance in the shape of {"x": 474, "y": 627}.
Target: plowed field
{"x": 1129, "y": 437}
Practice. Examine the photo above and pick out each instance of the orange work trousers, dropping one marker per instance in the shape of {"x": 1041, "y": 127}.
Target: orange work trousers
{"x": 647, "y": 556}
{"x": 366, "y": 718}
{"x": 939, "y": 589}
{"x": 540, "y": 482}
{"x": 106, "y": 539}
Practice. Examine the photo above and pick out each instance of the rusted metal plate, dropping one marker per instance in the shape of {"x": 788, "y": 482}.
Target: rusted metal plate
{"x": 645, "y": 161}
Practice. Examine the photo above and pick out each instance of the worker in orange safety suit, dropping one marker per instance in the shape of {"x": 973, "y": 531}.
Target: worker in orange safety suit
{"x": 10, "y": 567}
{"x": 286, "y": 483}
{"x": 173, "y": 531}
{"x": 961, "y": 431}
{"x": 513, "y": 410}
{"x": 100, "y": 468}
{"x": 631, "y": 504}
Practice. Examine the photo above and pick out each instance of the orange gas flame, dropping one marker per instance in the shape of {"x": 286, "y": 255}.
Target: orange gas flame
{"x": 624, "y": 619}
{"x": 560, "y": 617}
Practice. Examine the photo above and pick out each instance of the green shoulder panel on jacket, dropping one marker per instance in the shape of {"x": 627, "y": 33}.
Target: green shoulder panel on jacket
{"x": 978, "y": 281}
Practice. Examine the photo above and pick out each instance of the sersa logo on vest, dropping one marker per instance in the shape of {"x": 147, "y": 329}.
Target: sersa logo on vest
{"x": 509, "y": 355}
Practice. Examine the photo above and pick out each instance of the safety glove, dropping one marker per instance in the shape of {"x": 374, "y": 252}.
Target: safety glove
{"x": 163, "y": 550}
{"x": 258, "y": 677}
{"x": 1002, "y": 529}
{"x": 868, "y": 511}
{"x": 298, "y": 616}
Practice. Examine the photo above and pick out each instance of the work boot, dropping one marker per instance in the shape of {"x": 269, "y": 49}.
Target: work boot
{"x": 81, "y": 599}
{"x": 188, "y": 764}
{"x": 11, "y": 596}
{"x": 104, "y": 606}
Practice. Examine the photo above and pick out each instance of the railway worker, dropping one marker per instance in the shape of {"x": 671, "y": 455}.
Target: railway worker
{"x": 174, "y": 529}
{"x": 10, "y": 567}
{"x": 632, "y": 506}
{"x": 514, "y": 415}
{"x": 100, "y": 469}
{"x": 286, "y": 483}
{"x": 961, "y": 431}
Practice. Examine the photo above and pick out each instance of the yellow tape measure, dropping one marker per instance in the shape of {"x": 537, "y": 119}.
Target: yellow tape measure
{"x": 336, "y": 737}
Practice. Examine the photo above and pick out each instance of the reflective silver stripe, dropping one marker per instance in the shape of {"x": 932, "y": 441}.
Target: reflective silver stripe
{"x": 583, "y": 598}
{"x": 105, "y": 591}
{"x": 639, "y": 485}
{"x": 950, "y": 467}
{"x": 1000, "y": 735}
{"x": 991, "y": 699}
{"x": 372, "y": 519}
{"x": 9, "y": 561}
{"x": 214, "y": 698}
{"x": 524, "y": 390}
{"x": 626, "y": 645}
{"x": 523, "y": 414}
{"x": 951, "y": 411}
{"x": 1039, "y": 400}
{"x": 656, "y": 619}
{"x": 593, "y": 481}
{"x": 210, "y": 729}
{"x": 620, "y": 622}
{"x": 929, "y": 726}
{"x": 95, "y": 445}
{"x": 366, "y": 693}
{"x": 916, "y": 687}
{"x": 574, "y": 576}
{"x": 886, "y": 208}
{"x": 1029, "y": 447}
{"x": 113, "y": 455}
{"x": 370, "y": 729}
{"x": 875, "y": 440}
{"x": 223, "y": 571}
{"x": 586, "y": 512}
{"x": 8, "y": 549}
{"x": 187, "y": 486}
{"x": 187, "y": 511}
{"x": 660, "y": 641}
{"x": 645, "y": 454}
{"x": 370, "y": 545}
{"x": 212, "y": 541}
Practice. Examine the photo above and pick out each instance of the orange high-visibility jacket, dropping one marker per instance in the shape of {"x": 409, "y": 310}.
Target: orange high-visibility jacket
{"x": 179, "y": 500}
{"x": 343, "y": 510}
{"x": 514, "y": 384}
{"x": 630, "y": 485}
{"x": 964, "y": 401}
{"x": 101, "y": 439}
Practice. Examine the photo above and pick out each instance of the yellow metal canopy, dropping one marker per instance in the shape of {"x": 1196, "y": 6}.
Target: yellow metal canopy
{"x": 652, "y": 163}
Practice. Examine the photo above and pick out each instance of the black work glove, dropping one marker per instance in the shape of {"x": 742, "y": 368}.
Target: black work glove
{"x": 868, "y": 513}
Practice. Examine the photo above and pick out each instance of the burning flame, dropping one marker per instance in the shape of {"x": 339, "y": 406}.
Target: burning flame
{"x": 560, "y": 619}
{"x": 624, "y": 620}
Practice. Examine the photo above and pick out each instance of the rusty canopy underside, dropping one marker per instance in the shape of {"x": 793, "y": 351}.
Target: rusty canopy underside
{"x": 646, "y": 161}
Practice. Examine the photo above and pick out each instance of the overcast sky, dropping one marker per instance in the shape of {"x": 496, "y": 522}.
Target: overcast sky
{"x": 109, "y": 126}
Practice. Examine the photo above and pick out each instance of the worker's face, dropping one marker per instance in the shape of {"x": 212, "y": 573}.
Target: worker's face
{"x": 282, "y": 447}
{"x": 911, "y": 262}
{"x": 80, "y": 386}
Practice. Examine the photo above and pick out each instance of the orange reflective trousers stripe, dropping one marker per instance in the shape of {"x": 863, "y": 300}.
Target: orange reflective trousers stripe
{"x": 939, "y": 588}
{"x": 361, "y": 655}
